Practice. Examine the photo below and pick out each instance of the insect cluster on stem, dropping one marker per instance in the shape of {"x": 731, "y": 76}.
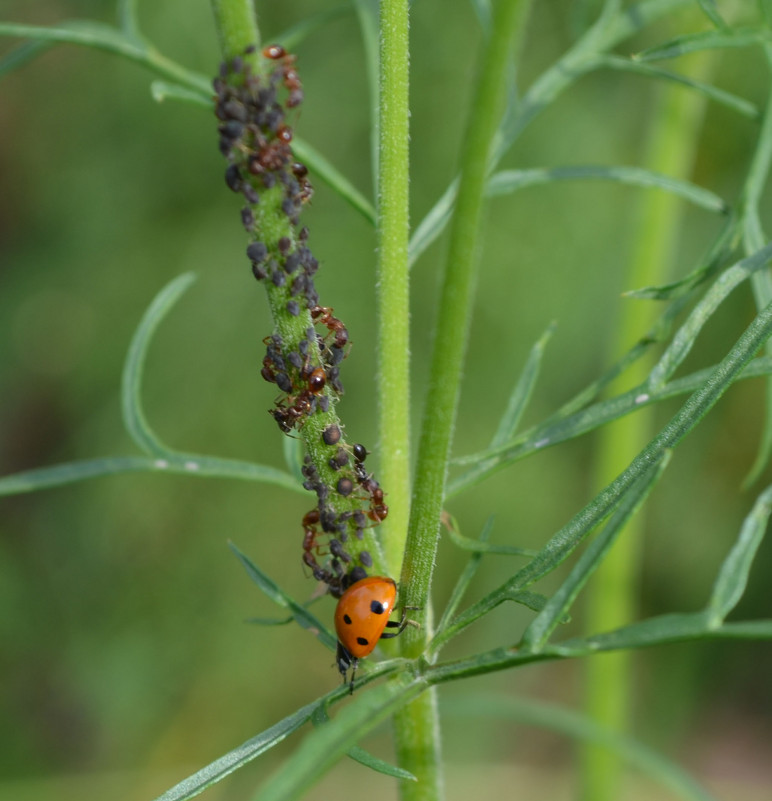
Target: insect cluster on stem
{"x": 255, "y": 107}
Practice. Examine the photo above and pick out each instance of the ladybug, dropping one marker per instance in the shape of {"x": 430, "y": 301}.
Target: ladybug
{"x": 361, "y": 616}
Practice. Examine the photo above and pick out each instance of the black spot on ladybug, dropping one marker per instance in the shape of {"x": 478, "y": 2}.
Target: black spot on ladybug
{"x": 362, "y": 641}
{"x": 376, "y": 607}
{"x": 347, "y": 620}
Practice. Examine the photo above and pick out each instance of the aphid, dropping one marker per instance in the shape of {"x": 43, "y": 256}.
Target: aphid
{"x": 345, "y": 486}
{"x": 361, "y": 616}
{"x": 360, "y": 452}
{"x": 331, "y": 435}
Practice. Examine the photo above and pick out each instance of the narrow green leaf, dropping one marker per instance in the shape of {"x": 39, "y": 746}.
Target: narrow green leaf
{"x": 540, "y": 629}
{"x": 163, "y": 90}
{"x": 551, "y": 433}
{"x": 534, "y": 601}
{"x": 686, "y": 335}
{"x": 131, "y": 382}
{"x": 530, "y": 712}
{"x": 319, "y": 166}
{"x": 365, "y": 757}
{"x": 710, "y": 9}
{"x": 738, "y": 104}
{"x": 189, "y": 464}
{"x": 507, "y": 181}
{"x": 379, "y": 765}
{"x": 269, "y": 621}
{"x": 562, "y": 544}
{"x": 466, "y": 576}
{"x": 660, "y": 630}
{"x": 22, "y": 54}
{"x": 705, "y": 40}
{"x": 295, "y": 35}
{"x": 305, "y": 618}
{"x": 733, "y": 576}
{"x": 718, "y": 256}
{"x": 522, "y": 391}
{"x": 327, "y": 743}
{"x": 238, "y": 757}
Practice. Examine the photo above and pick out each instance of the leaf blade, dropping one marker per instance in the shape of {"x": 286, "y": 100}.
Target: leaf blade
{"x": 131, "y": 381}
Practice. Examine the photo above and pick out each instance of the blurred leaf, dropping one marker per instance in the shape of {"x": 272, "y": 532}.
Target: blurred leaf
{"x": 738, "y": 104}
{"x": 482, "y": 8}
{"x": 238, "y": 757}
{"x": 521, "y": 393}
{"x": 128, "y": 20}
{"x": 367, "y": 12}
{"x": 306, "y": 620}
{"x": 23, "y": 53}
{"x": 733, "y": 577}
{"x": 319, "y": 165}
{"x": 433, "y": 224}
{"x": 82, "y": 32}
{"x": 715, "y": 259}
{"x": 531, "y": 712}
{"x": 131, "y": 384}
{"x": 105, "y": 37}
{"x": 480, "y": 546}
{"x": 327, "y": 743}
{"x": 508, "y": 181}
{"x": 163, "y": 90}
{"x": 293, "y": 456}
{"x": 189, "y": 464}
{"x": 711, "y": 12}
{"x": 292, "y": 37}
{"x": 540, "y": 629}
{"x": 766, "y": 10}
{"x": 686, "y": 335}
{"x": 365, "y": 757}
{"x": 705, "y": 40}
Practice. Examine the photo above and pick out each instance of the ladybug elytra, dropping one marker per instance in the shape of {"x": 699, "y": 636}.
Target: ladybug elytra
{"x": 361, "y": 616}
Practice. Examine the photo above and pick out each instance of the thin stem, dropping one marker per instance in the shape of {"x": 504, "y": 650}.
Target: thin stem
{"x": 393, "y": 283}
{"x": 454, "y": 316}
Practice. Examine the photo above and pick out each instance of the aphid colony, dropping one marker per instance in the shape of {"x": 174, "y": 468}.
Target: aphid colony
{"x": 255, "y": 136}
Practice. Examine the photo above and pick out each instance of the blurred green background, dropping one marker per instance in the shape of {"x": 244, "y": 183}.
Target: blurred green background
{"x": 125, "y": 661}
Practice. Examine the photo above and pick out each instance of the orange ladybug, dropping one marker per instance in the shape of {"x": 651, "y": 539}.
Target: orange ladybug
{"x": 361, "y": 616}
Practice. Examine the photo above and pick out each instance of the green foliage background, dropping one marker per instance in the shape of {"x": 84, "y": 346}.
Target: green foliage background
{"x": 125, "y": 660}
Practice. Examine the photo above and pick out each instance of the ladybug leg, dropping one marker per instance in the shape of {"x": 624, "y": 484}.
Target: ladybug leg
{"x": 400, "y": 626}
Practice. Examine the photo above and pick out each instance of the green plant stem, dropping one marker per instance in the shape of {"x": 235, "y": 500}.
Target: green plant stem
{"x": 453, "y": 318}
{"x": 236, "y": 24}
{"x": 611, "y": 598}
{"x": 393, "y": 282}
